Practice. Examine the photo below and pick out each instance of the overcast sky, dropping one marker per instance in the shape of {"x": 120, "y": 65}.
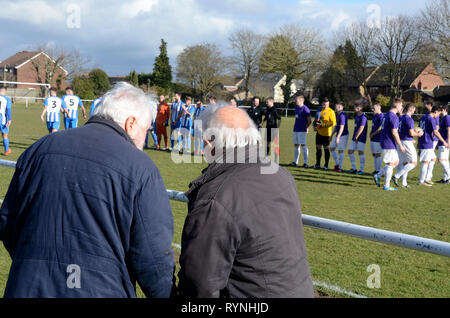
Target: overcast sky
{"x": 119, "y": 36}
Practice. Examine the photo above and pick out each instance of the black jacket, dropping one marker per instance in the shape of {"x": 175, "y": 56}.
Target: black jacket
{"x": 87, "y": 200}
{"x": 256, "y": 114}
{"x": 243, "y": 236}
{"x": 272, "y": 118}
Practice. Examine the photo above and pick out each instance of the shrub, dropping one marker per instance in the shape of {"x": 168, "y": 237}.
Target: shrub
{"x": 383, "y": 100}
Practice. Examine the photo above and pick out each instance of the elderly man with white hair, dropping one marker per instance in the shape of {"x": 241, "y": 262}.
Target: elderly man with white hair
{"x": 87, "y": 214}
{"x": 243, "y": 235}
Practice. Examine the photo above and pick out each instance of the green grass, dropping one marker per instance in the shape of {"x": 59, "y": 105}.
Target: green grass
{"x": 334, "y": 259}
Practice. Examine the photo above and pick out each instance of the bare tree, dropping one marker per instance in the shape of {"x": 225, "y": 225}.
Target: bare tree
{"x": 435, "y": 25}
{"x": 200, "y": 66}
{"x": 359, "y": 64}
{"x": 247, "y": 47}
{"x": 295, "y": 52}
{"x": 396, "y": 47}
{"x": 69, "y": 59}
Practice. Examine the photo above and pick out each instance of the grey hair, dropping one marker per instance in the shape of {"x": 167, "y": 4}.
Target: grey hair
{"x": 124, "y": 101}
{"x": 224, "y": 136}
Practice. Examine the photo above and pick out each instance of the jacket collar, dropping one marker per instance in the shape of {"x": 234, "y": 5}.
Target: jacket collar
{"x": 111, "y": 124}
{"x": 216, "y": 169}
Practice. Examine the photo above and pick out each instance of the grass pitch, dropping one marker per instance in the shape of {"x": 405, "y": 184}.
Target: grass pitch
{"x": 335, "y": 260}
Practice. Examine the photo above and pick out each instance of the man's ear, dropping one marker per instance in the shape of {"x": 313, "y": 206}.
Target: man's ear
{"x": 130, "y": 123}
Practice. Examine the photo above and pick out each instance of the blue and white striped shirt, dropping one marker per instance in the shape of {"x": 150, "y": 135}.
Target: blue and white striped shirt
{"x": 71, "y": 102}
{"x": 93, "y": 105}
{"x": 5, "y": 109}
{"x": 54, "y": 105}
{"x": 186, "y": 121}
{"x": 175, "y": 111}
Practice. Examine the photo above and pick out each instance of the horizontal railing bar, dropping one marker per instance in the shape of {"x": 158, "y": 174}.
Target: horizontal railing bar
{"x": 368, "y": 233}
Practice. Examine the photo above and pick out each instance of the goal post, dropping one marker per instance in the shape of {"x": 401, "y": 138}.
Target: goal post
{"x": 23, "y": 96}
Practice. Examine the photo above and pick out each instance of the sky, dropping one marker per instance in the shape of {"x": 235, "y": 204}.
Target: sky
{"x": 119, "y": 36}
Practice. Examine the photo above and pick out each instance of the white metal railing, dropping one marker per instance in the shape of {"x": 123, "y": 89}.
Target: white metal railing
{"x": 368, "y": 233}
{"x": 286, "y": 110}
{"x": 28, "y": 98}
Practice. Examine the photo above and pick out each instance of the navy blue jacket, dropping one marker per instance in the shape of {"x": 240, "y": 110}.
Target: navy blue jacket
{"x": 87, "y": 215}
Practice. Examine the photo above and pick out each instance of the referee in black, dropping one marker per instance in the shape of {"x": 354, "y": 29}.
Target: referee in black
{"x": 273, "y": 121}
{"x": 256, "y": 112}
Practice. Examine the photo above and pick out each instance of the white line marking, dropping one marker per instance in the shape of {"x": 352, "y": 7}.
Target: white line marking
{"x": 336, "y": 289}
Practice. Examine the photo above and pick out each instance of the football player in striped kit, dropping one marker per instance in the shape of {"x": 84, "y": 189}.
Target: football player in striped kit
{"x": 53, "y": 106}
{"x": 71, "y": 104}
{"x": 5, "y": 118}
{"x": 175, "y": 122}
{"x": 186, "y": 119}
{"x": 198, "y": 131}
{"x": 94, "y": 104}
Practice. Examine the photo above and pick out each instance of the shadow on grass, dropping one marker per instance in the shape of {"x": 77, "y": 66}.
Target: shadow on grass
{"x": 329, "y": 172}
{"x": 19, "y": 145}
{"x": 323, "y": 181}
{"x": 329, "y": 177}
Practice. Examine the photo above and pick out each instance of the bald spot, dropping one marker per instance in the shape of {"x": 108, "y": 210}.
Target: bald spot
{"x": 233, "y": 117}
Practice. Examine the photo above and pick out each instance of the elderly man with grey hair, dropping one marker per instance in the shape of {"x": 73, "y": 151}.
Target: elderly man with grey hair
{"x": 87, "y": 214}
{"x": 243, "y": 235}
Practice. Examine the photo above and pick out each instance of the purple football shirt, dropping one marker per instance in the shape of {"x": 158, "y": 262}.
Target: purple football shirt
{"x": 301, "y": 118}
{"x": 376, "y": 123}
{"x": 428, "y": 124}
{"x": 390, "y": 122}
{"x": 361, "y": 121}
{"x": 342, "y": 119}
{"x": 436, "y": 120}
{"x": 406, "y": 124}
{"x": 443, "y": 129}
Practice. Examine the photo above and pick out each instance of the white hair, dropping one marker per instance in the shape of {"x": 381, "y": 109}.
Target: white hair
{"x": 224, "y": 136}
{"x": 125, "y": 101}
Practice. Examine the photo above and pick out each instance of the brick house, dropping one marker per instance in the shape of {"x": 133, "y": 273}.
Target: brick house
{"x": 440, "y": 94}
{"x": 113, "y": 80}
{"x": 419, "y": 79}
{"x": 24, "y": 66}
{"x": 262, "y": 85}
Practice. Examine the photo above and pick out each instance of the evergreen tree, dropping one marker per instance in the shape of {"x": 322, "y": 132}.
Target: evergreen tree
{"x": 83, "y": 87}
{"x": 100, "y": 81}
{"x": 332, "y": 81}
{"x": 162, "y": 71}
{"x": 133, "y": 78}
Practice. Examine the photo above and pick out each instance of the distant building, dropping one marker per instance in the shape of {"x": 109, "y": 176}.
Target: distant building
{"x": 419, "y": 79}
{"x": 31, "y": 67}
{"x": 261, "y": 85}
{"x": 116, "y": 79}
{"x": 440, "y": 94}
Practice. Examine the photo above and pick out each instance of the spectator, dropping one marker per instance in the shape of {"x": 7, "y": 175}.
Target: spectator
{"x": 87, "y": 214}
{"x": 242, "y": 238}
